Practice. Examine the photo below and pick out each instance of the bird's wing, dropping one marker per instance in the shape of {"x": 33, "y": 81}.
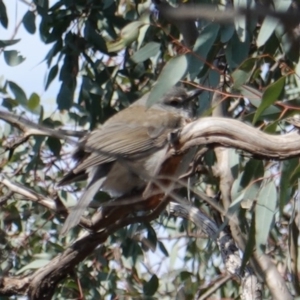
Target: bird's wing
{"x": 120, "y": 141}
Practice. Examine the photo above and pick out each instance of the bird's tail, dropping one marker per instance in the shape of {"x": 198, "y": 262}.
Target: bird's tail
{"x": 78, "y": 210}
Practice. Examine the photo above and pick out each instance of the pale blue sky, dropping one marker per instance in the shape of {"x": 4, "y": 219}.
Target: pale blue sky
{"x": 30, "y": 74}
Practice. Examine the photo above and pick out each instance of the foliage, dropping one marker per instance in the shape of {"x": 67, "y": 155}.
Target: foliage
{"x": 106, "y": 54}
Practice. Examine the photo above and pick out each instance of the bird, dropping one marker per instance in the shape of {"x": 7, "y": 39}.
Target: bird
{"x": 128, "y": 149}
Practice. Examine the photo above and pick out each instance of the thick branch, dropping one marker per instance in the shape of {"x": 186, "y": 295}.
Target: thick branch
{"x": 30, "y": 128}
{"x": 28, "y": 193}
{"x": 236, "y": 134}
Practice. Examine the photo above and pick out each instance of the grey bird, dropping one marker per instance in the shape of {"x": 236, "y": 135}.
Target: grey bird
{"x": 129, "y": 148}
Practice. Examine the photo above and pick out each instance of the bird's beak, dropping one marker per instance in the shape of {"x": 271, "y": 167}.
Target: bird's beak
{"x": 193, "y": 94}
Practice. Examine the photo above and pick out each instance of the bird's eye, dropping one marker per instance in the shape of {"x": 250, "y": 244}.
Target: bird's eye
{"x": 175, "y": 102}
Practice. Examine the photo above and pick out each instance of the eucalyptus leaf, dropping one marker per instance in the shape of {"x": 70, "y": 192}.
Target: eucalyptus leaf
{"x": 18, "y": 92}
{"x": 146, "y": 52}
{"x": 3, "y": 15}
{"x": 173, "y": 71}
{"x": 150, "y": 287}
{"x": 5, "y": 43}
{"x": 270, "y": 96}
{"x": 29, "y": 22}
{"x": 202, "y": 46}
{"x": 264, "y": 211}
{"x": 13, "y": 58}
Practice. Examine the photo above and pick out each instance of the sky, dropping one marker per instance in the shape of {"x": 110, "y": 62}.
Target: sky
{"x": 29, "y": 75}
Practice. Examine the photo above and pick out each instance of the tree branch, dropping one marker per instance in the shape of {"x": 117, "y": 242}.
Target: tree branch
{"x": 236, "y": 134}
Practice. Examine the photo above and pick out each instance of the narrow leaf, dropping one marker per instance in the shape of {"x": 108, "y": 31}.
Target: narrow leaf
{"x": 12, "y": 58}
{"x": 146, "y": 52}
{"x": 269, "y": 24}
{"x": 264, "y": 212}
{"x": 54, "y": 145}
{"x": 203, "y": 45}
{"x": 3, "y": 15}
{"x": 150, "y": 287}
{"x": 36, "y": 264}
{"x": 288, "y": 167}
{"x": 4, "y": 43}
{"x": 243, "y": 73}
{"x": 18, "y": 93}
{"x": 52, "y": 74}
{"x": 270, "y": 96}
{"x": 33, "y": 101}
{"x": 172, "y": 72}
{"x": 162, "y": 248}
{"x": 29, "y": 22}
{"x": 65, "y": 96}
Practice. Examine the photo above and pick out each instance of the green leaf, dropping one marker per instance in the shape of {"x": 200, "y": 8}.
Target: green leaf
{"x": 33, "y": 101}
{"x": 266, "y": 30}
{"x": 172, "y": 72}
{"x": 162, "y": 248}
{"x": 42, "y": 3}
{"x": 94, "y": 38}
{"x": 184, "y": 275}
{"x": 236, "y": 51}
{"x": 250, "y": 243}
{"x": 288, "y": 167}
{"x": 5, "y": 43}
{"x": 296, "y": 174}
{"x": 202, "y": 46}
{"x": 237, "y": 194}
{"x": 226, "y": 32}
{"x": 243, "y": 73}
{"x": 240, "y": 22}
{"x": 36, "y": 264}
{"x": 19, "y": 94}
{"x": 150, "y": 287}
{"x": 29, "y": 22}
{"x": 3, "y": 15}
{"x": 252, "y": 94}
{"x": 127, "y": 35}
{"x": 264, "y": 211}
{"x": 13, "y": 213}
{"x": 269, "y": 24}
{"x": 131, "y": 249}
{"x": 146, "y": 52}
{"x": 151, "y": 236}
{"x": 54, "y": 145}
{"x": 57, "y": 47}
{"x": 65, "y": 96}
{"x": 52, "y": 74}
{"x": 250, "y": 195}
{"x": 12, "y": 58}
{"x": 270, "y": 96}
{"x": 254, "y": 169}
